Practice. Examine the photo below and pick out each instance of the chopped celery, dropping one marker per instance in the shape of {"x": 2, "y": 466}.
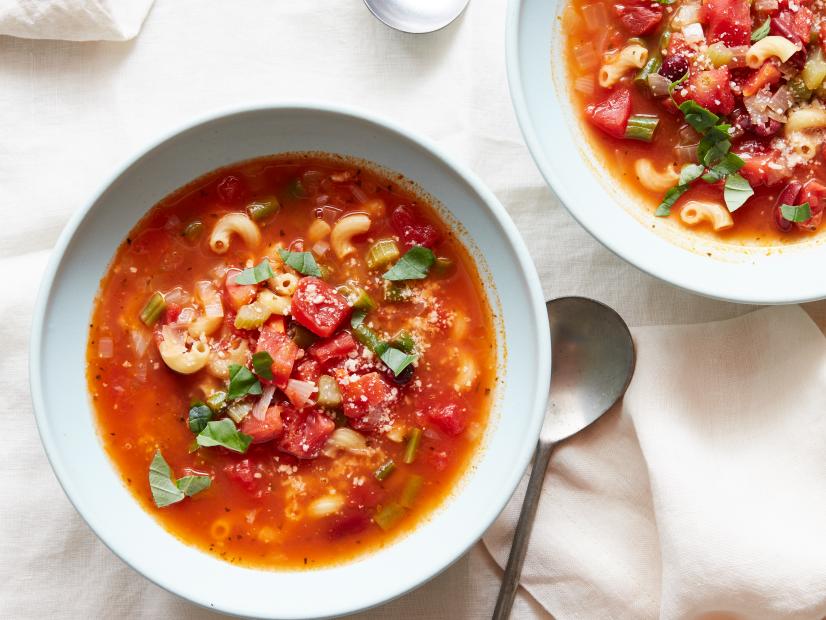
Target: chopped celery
{"x": 719, "y": 54}
{"x": 328, "y": 392}
{"x": 238, "y": 411}
{"x": 384, "y": 470}
{"x": 193, "y": 230}
{"x": 302, "y": 336}
{"x": 412, "y": 445}
{"x": 797, "y": 87}
{"x": 357, "y": 297}
{"x": 262, "y": 209}
{"x": 388, "y": 516}
{"x": 216, "y": 401}
{"x": 383, "y": 252}
{"x": 404, "y": 341}
{"x": 814, "y": 71}
{"x": 652, "y": 66}
{"x": 411, "y": 490}
{"x": 153, "y": 309}
{"x": 641, "y": 127}
{"x": 396, "y": 291}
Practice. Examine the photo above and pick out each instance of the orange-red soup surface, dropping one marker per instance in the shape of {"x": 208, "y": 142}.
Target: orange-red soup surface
{"x": 635, "y": 64}
{"x": 346, "y": 453}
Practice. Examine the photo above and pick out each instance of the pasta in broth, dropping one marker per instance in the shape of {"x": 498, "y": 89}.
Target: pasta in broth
{"x": 292, "y": 361}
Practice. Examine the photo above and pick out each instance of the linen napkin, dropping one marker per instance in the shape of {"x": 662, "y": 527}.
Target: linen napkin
{"x": 73, "y": 20}
{"x": 703, "y": 494}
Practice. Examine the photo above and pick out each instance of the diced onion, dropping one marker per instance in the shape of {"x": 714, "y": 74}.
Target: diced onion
{"x": 781, "y": 101}
{"x": 694, "y": 33}
{"x": 359, "y": 194}
{"x": 688, "y": 135}
{"x": 325, "y": 506}
{"x": 658, "y": 84}
{"x": 320, "y": 248}
{"x": 686, "y": 15}
{"x": 186, "y": 316}
{"x": 140, "y": 341}
{"x": 686, "y": 153}
{"x": 345, "y": 439}
{"x": 106, "y": 347}
{"x": 777, "y": 116}
{"x": 584, "y": 84}
{"x": 299, "y": 392}
{"x": 595, "y": 16}
{"x": 176, "y": 296}
{"x": 210, "y": 299}
{"x": 263, "y": 402}
{"x": 756, "y": 106}
{"x": 586, "y": 56}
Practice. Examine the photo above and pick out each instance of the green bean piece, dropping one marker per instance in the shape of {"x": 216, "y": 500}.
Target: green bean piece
{"x": 384, "y": 470}
{"x": 370, "y": 339}
{"x": 395, "y": 292}
{"x": 216, "y": 401}
{"x": 328, "y": 393}
{"x": 193, "y": 230}
{"x": 641, "y": 127}
{"x": 383, "y": 252}
{"x": 412, "y": 445}
{"x": 302, "y": 336}
{"x": 388, "y": 516}
{"x": 411, "y": 490}
{"x": 357, "y": 297}
{"x": 262, "y": 209}
{"x": 652, "y": 66}
{"x": 404, "y": 342}
{"x": 153, "y": 309}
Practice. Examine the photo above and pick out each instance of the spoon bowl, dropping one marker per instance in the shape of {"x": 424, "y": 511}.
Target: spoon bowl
{"x": 416, "y": 16}
{"x": 593, "y": 362}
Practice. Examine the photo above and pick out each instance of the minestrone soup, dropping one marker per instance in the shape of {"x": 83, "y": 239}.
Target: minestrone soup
{"x": 292, "y": 361}
{"x": 712, "y": 111}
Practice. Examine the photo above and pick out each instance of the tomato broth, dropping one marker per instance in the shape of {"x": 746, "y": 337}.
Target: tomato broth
{"x": 292, "y": 361}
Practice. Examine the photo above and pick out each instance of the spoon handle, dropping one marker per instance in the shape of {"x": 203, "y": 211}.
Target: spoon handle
{"x": 522, "y": 535}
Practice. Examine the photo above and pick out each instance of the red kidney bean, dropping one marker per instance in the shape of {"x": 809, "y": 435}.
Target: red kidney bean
{"x": 768, "y": 129}
{"x": 787, "y": 197}
{"x": 674, "y": 67}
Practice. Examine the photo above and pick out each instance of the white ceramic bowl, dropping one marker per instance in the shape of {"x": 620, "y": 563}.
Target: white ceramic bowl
{"x": 62, "y": 404}
{"x": 540, "y": 91}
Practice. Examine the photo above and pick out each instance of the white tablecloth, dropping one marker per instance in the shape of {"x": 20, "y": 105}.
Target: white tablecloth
{"x": 69, "y": 112}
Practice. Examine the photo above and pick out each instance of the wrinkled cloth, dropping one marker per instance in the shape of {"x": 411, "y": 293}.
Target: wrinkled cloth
{"x": 70, "y": 113}
{"x": 73, "y": 20}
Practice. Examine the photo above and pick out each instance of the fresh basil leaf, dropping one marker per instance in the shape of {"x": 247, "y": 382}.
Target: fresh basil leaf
{"x": 730, "y": 164}
{"x": 253, "y": 275}
{"x": 302, "y": 262}
{"x": 414, "y": 265}
{"x": 199, "y": 415}
{"x": 262, "y": 363}
{"x": 164, "y": 489}
{"x": 736, "y": 192}
{"x": 796, "y": 213}
{"x": 397, "y": 360}
{"x": 191, "y": 485}
{"x": 762, "y": 31}
{"x": 241, "y": 382}
{"x": 671, "y": 196}
{"x": 700, "y": 119}
{"x": 224, "y": 433}
{"x": 690, "y": 173}
{"x": 714, "y": 145}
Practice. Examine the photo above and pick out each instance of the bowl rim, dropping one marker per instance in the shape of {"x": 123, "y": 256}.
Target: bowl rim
{"x": 647, "y": 262}
{"x": 488, "y": 512}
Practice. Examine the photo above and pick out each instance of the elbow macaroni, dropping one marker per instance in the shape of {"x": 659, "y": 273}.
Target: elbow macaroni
{"x": 318, "y": 230}
{"x": 284, "y": 283}
{"x": 345, "y": 229}
{"x": 219, "y": 361}
{"x": 768, "y": 47}
{"x": 653, "y": 179}
{"x": 806, "y": 118}
{"x": 175, "y": 355}
{"x": 697, "y": 211}
{"x": 276, "y": 304}
{"x": 632, "y": 56}
{"x": 805, "y": 144}
{"x": 234, "y": 223}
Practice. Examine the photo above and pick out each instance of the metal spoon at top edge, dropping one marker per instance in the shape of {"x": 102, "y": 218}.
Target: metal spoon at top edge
{"x": 593, "y": 361}
{"x": 416, "y": 16}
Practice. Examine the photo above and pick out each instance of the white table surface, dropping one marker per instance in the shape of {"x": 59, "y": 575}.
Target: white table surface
{"x": 70, "y": 112}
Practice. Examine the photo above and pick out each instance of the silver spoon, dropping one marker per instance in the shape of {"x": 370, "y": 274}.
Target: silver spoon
{"x": 593, "y": 362}
{"x": 416, "y": 16}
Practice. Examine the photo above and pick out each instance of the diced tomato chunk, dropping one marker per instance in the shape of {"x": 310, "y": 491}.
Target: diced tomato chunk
{"x": 366, "y": 399}
{"x": 305, "y": 432}
{"x": 451, "y": 418}
{"x": 793, "y": 25}
{"x": 318, "y": 307}
{"x": 412, "y": 229}
{"x": 242, "y": 473}
{"x": 172, "y": 312}
{"x": 677, "y": 45}
{"x": 307, "y": 370}
{"x": 639, "y": 16}
{"x": 710, "y": 89}
{"x": 281, "y": 348}
{"x": 728, "y": 21}
{"x": 762, "y": 167}
{"x": 814, "y": 193}
{"x": 612, "y": 114}
{"x": 238, "y": 294}
{"x": 334, "y": 348}
{"x": 263, "y": 430}
{"x": 768, "y": 73}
